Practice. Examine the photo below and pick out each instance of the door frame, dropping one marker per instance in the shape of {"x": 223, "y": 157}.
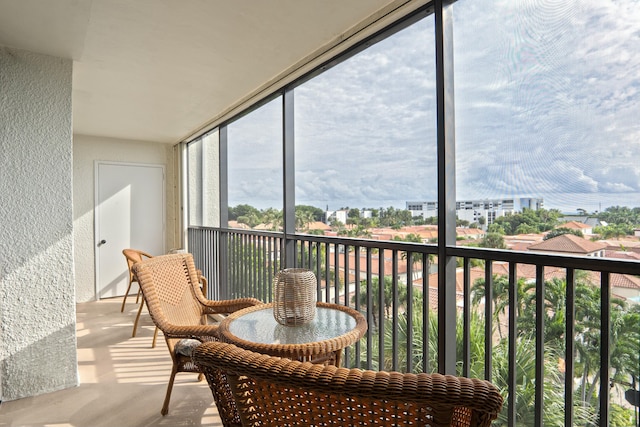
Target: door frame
{"x": 96, "y": 211}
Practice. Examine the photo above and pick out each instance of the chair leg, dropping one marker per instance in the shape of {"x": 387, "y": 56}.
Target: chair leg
{"x": 155, "y": 335}
{"x": 138, "y": 295}
{"x": 135, "y": 324}
{"x": 125, "y": 297}
{"x": 165, "y": 406}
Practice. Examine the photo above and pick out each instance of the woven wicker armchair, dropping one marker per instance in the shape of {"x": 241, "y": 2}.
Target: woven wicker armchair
{"x": 271, "y": 391}
{"x": 171, "y": 288}
{"x": 132, "y": 256}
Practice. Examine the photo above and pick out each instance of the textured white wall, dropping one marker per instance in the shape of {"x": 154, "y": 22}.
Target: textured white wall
{"x": 37, "y": 293}
{"x": 86, "y": 150}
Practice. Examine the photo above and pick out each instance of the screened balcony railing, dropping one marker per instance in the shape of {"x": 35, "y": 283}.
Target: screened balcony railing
{"x": 553, "y": 335}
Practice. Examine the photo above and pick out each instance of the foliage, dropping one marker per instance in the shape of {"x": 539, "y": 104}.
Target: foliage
{"x": 529, "y": 220}
{"x": 560, "y": 231}
{"x": 621, "y": 220}
{"x": 493, "y": 240}
{"x": 625, "y": 342}
{"x": 553, "y": 391}
{"x": 306, "y": 215}
{"x": 395, "y": 218}
{"x": 245, "y": 214}
{"x": 243, "y": 210}
{"x": 496, "y": 228}
{"x": 619, "y": 416}
{"x": 624, "y": 333}
{"x": 357, "y": 231}
{"x": 387, "y": 296}
{"x": 245, "y": 258}
{"x": 613, "y": 231}
{"x": 619, "y": 215}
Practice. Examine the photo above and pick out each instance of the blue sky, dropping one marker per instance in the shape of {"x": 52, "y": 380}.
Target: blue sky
{"x": 547, "y": 105}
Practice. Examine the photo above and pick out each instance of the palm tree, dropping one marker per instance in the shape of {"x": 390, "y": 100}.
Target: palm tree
{"x": 500, "y": 296}
{"x": 388, "y": 296}
{"x": 416, "y": 257}
{"x": 553, "y": 392}
{"x": 274, "y": 217}
{"x": 303, "y": 219}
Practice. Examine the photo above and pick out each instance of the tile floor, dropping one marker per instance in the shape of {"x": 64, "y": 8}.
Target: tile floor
{"x": 122, "y": 379}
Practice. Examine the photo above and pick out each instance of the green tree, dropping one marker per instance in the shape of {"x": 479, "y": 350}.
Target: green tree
{"x": 303, "y": 219}
{"x": 273, "y": 217}
{"x": 357, "y": 231}
{"x": 497, "y": 229}
{"x": 553, "y": 391}
{"x": 462, "y": 222}
{"x": 584, "y": 411}
{"x": 619, "y": 215}
{"x": 243, "y": 211}
{"x": 560, "y": 231}
{"x": 387, "y": 296}
{"x": 500, "y": 297}
{"x": 613, "y": 231}
{"x": 416, "y": 257}
{"x": 624, "y": 333}
{"x": 526, "y": 229}
{"x": 353, "y": 216}
{"x": 539, "y": 220}
{"x": 493, "y": 240}
{"x": 315, "y": 214}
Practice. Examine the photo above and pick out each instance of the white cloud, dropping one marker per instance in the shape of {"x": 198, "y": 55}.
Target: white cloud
{"x": 547, "y": 100}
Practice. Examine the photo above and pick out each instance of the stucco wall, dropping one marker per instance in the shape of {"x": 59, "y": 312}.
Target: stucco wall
{"x": 88, "y": 149}
{"x": 37, "y": 293}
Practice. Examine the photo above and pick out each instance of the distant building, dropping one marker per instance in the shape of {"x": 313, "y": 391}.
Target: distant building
{"x": 577, "y": 226}
{"x": 340, "y": 215}
{"x": 473, "y": 210}
{"x": 588, "y": 220}
{"x": 343, "y": 214}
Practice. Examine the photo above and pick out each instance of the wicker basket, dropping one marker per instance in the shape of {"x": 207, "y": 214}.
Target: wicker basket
{"x": 294, "y": 296}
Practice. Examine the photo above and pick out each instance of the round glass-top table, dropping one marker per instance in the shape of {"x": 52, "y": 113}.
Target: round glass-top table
{"x": 320, "y": 341}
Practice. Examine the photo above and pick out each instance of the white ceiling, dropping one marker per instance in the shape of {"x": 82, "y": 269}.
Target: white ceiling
{"x": 158, "y": 70}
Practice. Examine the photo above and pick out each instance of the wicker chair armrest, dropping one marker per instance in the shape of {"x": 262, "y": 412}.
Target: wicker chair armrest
{"x": 227, "y": 306}
{"x": 199, "y": 332}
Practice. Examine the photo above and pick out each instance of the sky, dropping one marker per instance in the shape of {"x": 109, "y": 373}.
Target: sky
{"x": 547, "y": 104}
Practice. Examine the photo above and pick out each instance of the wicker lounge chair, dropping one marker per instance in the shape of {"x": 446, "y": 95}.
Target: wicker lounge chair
{"x": 171, "y": 288}
{"x": 132, "y": 256}
{"x": 271, "y": 391}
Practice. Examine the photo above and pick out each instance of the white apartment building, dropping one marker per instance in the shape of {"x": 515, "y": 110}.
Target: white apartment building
{"x": 473, "y": 210}
{"x": 340, "y": 215}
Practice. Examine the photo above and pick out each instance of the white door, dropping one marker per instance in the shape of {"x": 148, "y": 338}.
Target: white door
{"x": 129, "y": 213}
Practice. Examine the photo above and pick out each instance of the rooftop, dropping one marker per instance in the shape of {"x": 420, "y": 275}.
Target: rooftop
{"x": 568, "y": 243}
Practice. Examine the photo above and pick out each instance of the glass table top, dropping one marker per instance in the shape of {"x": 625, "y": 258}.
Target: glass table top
{"x": 261, "y": 327}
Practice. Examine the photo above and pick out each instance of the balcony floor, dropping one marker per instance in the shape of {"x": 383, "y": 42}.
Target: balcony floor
{"x": 122, "y": 379}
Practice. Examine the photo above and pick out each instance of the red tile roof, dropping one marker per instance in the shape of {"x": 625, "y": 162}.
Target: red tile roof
{"x": 574, "y": 225}
{"x": 568, "y": 243}
{"x": 622, "y": 255}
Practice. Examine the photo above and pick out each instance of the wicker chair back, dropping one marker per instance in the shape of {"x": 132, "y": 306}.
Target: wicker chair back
{"x": 280, "y": 392}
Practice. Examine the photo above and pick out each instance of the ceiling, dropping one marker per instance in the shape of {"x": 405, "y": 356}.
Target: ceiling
{"x": 161, "y": 70}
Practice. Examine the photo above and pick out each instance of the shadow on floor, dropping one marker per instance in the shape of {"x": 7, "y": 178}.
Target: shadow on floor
{"x": 122, "y": 379}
